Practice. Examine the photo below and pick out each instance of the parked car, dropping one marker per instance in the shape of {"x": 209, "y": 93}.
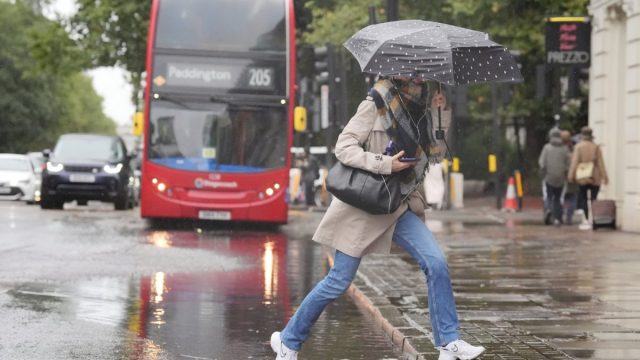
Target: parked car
{"x": 38, "y": 161}
{"x": 18, "y": 180}
{"x": 85, "y": 167}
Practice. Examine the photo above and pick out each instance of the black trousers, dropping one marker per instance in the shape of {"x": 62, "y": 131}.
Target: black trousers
{"x": 309, "y": 192}
{"x": 582, "y": 196}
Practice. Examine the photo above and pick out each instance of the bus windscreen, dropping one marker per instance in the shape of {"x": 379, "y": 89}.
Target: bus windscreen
{"x": 228, "y": 25}
{"x": 217, "y": 137}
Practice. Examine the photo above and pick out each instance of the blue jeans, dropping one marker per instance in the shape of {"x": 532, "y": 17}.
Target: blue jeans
{"x": 414, "y": 237}
{"x": 554, "y": 194}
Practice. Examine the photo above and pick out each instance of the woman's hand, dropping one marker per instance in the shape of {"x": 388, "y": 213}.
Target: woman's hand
{"x": 397, "y": 165}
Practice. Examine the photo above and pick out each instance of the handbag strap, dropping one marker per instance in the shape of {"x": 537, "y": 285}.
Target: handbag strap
{"x": 365, "y": 144}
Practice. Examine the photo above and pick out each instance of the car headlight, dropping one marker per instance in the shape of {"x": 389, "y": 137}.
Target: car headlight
{"x": 51, "y": 167}
{"x": 112, "y": 169}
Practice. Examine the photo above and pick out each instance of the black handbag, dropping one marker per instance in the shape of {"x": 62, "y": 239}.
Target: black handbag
{"x": 374, "y": 193}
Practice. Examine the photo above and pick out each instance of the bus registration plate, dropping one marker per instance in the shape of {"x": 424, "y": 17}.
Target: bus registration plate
{"x": 214, "y": 215}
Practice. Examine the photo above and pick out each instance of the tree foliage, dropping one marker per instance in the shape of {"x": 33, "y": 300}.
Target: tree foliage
{"x": 37, "y": 106}
{"x": 100, "y": 33}
{"x": 114, "y": 33}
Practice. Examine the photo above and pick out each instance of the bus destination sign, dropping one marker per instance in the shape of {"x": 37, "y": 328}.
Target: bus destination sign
{"x": 238, "y": 75}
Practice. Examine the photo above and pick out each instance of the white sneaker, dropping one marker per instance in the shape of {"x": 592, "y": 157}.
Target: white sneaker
{"x": 460, "y": 349}
{"x": 284, "y": 353}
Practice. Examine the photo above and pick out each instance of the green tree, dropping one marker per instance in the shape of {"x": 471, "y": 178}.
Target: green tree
{"x": 114, "y": 33}
{"x": 100, "y": 33}
{"x": 37, "y": 106}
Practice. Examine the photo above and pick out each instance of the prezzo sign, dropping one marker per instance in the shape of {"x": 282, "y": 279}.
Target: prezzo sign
{"x": 242, "y": 75}
{"x": 568, "y": 41}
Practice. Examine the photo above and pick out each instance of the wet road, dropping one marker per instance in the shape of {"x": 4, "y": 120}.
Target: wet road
{"x": 89, "y": 282}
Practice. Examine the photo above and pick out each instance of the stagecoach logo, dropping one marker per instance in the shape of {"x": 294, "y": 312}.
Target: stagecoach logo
{"x": 200, "y": 183}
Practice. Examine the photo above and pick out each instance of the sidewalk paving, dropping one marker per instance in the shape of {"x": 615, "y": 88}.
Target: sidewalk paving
{"x": 523, "y": 290}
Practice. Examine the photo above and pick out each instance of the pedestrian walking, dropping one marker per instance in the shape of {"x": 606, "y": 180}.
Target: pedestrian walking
{"x": 354, "y": 232}
{"x": 571, "y": 189}
{"x": 587, "y": 169}
{"x": 554, "y": 164}
{"x": 310, "y": 172}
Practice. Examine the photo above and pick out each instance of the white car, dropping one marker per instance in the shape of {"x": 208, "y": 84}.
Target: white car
{"x": 18, "y": 180}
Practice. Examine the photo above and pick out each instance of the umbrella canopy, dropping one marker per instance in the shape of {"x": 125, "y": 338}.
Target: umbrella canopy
{"x": 432, "y": 51}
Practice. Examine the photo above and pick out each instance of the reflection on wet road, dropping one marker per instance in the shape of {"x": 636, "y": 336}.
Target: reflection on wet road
{"x": 228, "y": 313}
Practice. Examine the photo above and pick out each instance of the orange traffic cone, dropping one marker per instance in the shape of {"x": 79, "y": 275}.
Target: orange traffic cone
{"x": 510, "y": 201}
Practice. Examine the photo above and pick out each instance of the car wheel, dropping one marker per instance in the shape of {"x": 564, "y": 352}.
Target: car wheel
{"x": 50, "y": 204}
{"x": 122, "y": 202}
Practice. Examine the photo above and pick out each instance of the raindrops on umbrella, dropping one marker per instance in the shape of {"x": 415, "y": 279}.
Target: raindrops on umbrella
{"x": 428, "y": 50}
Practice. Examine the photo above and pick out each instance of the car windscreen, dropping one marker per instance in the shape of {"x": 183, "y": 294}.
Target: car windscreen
{"x": 37, "y": 161}
{"x": 226, "y": 25}
{"x": 88, "y": 148}
{"x": 14, "y": 165}
{"x": 217, "y": 137}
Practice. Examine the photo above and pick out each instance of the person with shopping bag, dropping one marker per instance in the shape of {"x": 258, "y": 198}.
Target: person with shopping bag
{"x": 587, "y": 169}
{"x": 391, "y": 134}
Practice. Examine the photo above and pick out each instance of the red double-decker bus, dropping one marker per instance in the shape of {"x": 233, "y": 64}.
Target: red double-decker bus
{"x": 219, "y": 106}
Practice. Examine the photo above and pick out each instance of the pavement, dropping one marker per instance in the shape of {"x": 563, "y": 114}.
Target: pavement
{"x": 523, "y": 290}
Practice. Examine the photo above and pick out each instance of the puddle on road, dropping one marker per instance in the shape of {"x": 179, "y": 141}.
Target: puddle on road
{"x": 214, "y": 315}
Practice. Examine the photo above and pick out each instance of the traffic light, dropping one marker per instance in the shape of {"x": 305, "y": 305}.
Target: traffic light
{"x": 324, "y": 63}
{"x": 138, "y": 123}
{"x": 305, "y": 61}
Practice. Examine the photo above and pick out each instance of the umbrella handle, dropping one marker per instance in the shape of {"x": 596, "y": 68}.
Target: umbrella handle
{"x": 439, "y": 132}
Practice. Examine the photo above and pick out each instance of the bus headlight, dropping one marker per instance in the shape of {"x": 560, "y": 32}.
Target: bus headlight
{"x": 54, "y": 168}
{"x": 112, "y": 169}
{"x": 162, "y": 187}
{"x": 269, "y": 192}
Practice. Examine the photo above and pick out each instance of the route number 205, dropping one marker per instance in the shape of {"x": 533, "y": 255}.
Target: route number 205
{"x": 260, "y": 77}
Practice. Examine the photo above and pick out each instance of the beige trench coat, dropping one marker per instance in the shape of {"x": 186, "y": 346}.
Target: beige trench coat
{"x": 344, "y": 227}
{"x": 586, "y": 151}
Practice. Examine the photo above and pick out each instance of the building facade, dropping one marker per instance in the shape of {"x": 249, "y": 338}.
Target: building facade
{"x": 614, "y": 102}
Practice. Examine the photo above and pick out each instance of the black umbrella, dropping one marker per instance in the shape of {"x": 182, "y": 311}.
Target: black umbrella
{"x": 432, "y": 51}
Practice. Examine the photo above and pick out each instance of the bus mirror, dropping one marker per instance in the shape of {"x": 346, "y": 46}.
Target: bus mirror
{"x": 300, "y": 119}
{"x": 138, "y": 123}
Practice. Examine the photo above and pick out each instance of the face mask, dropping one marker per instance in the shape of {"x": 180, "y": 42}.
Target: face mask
{"x": 412, "y": 93}
{"x": 414, "y": 90}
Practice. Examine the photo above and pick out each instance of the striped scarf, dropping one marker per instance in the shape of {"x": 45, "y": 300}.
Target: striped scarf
{"x": 410, "y": 127}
